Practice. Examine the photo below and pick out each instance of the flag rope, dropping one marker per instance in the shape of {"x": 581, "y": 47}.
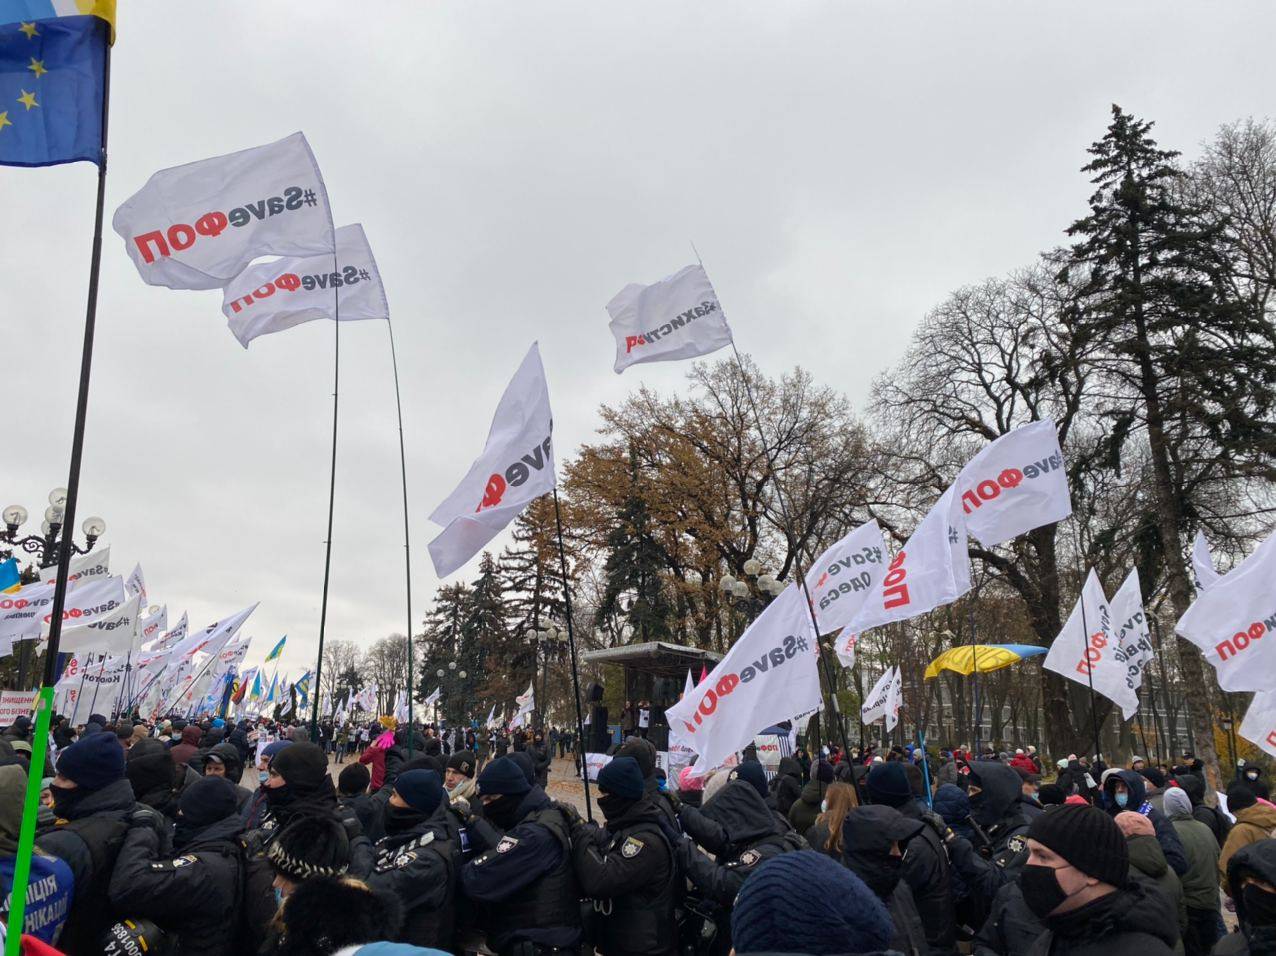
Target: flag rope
{"x": 407, "y": 545}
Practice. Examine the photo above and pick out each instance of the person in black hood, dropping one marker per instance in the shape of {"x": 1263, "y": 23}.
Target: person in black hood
{"x": 156, "y": 780}
{"x": 1251, "y": 776}
{"x": 786, "y": 785}
{"x": 522, "y": 880}
{"x": 1077, "y": 881}
{"x": 1251, "y": 878}
{"x": 1126, "y": 790}
{"x": 874, "y": 841}
{"x": 644, "y": 752}
{"x": 805, "y": 810}
{"x": 996, "y": 817}
{"x": 739, "y": 829}
{"x": 223, "y": 761}
{"x": 194, "y": 896}
{"x": 628, "y": 867}
{"x": 925, "y": 868}
{"x": 1194, "y": 786}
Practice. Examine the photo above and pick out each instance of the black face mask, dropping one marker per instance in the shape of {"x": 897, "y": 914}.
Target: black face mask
{"x": 184, "y": 831}
{"x": 614, "y": 807}
{"x": 1041, "y": 889}
{"x": 1260, "y": 905}
{"x": 880, "y": 874}
{"x": 65, "y": 800}
{"x": 399, "y": 819}
{"x": 503, "y": 811}
{"x": 278, "y": 798}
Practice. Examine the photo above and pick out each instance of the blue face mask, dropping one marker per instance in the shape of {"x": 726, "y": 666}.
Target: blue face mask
{"x": 263, "y": 775}
{"x": 279, "y": 896}
{"x": 1122, "y": 799}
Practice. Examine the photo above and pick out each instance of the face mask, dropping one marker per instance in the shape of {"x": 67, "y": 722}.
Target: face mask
{"x": 398, "y": 819}
{"x": 1260, "y": 905}
{"x": 1251, "y": 775}
{"x": 824, "y": 806}
{"x": 502, "y": 811}
{"x": 279, "y": 897}
{"x": 65, "y": 800}
{"x": 613, "y": 806}
{"x": 883, "y": 875}
{"x": 263, "y": 776}
{"x": 183, "y": 832}
{"x": 1041, "y": 889}
{"x": 1122, "y": 799}
{"x": 278, "y": 797}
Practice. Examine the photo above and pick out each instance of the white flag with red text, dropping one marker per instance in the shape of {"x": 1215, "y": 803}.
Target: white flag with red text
{"x": 515, "y": 468}
{"x": 199, "y": 225}
{"x": 841, "y": 579}
{"x": 769, "y": 675}
{"x": 1131, "y": 647}
{"x": 1083, "y": 650}
{"x": 273, "y": 296}
{"x": 1259, "y": 725}
{"x": 84, "y": 567}
{"x": 676, "y": 318}
{"x": 1203, "y": 563}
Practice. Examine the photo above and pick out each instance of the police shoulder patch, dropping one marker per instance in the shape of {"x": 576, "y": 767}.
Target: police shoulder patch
{"x": 750, "y": 857}
{"x": 1016, "y": 844}
{"x": 507, "y": 843}
{"x": 189, "y": 860}
{"x": 631, "y": 847}
{"x": 403, "y": 859}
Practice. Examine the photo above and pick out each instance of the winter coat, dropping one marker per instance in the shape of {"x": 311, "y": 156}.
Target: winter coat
{"x": 323, "y": 915}
{"x": 1134, "y": 920}
{"x": 1257, "y": 860}
{"x": 909, "y": 937}
{"x": 541, "y": 760}
{"x": 1252, "y": 824}
{"x": 999, "y": 813}
{"x": 927, "y": 873}
{"x": 1147, "y": 858}
{"x": 1024, "y": 762}
{"x": 189, "y": 746}
{"x": 194, "y": 896}
{"x": 1011, "y": 927}
{"x": 1166, "y": 835}
{"x": 806, "y": 807}
{"x": 786, "y": 787}
{"x": 420, "y": 867}
{"x": 374, "y": 757}
{"x": 1200, "y": 882}
{"x": 1194, "y": 786}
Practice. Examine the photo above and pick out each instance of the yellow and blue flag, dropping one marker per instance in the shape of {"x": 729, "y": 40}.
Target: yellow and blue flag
{"x": 279, "y": 649}
{"x": 53, "y": 80}
{"x": 10, "y": 577}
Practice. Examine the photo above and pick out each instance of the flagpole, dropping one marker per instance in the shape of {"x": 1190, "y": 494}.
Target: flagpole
{"x": 332, "y": 491}
{"x": 571, "y": 642}
{"x": 407, "y": 545}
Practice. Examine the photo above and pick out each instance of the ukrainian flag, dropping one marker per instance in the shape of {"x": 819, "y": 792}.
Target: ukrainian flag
{"x": 53, "y": 80}
{"x": 279, "y": 649}
{"x": 9, "y": 575}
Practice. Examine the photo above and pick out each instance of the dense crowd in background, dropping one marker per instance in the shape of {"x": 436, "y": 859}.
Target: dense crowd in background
{"x": 216, "y": 837}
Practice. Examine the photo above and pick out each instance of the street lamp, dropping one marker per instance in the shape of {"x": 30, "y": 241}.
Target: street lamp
{"x": 753, "y": 598}
{"x": 547, "y": 643}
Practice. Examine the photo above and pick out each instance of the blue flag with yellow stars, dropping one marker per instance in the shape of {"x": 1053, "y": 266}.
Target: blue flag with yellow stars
{"x": 52, "y": 80}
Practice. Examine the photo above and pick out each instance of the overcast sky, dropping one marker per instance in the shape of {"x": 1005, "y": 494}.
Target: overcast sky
{"x": 841, "y": 167}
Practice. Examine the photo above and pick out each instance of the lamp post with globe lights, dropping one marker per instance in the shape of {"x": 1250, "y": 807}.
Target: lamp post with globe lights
{"x": 549, "y": 643}
{"x": 44, "y": 549}
{"x": 450, "y": 681}
{"x": 750, "y": 594}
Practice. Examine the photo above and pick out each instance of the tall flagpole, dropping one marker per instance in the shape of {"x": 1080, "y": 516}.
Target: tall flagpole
{"x": 44, "y": 700}
{"x": 571, "y": 642}
{"x": 407, "y": 545}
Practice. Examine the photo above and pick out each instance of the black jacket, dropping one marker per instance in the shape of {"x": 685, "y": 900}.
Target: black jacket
{"x": 629, "y": 870}
{"x": 420, "y": 867}
{"x": 926, "y": 871}
{"x": 1166, "y": 835}
{"x": 998, "y": 814}
{"x": 1011, "y": 928}
{"x": 786, "y": 786}
{"x": 1258, "y": 860}
{"x": 804, "y": 810}
{"x": 1194, "y": 786}
{"x": 194, "y": 896}
{"x": 1134, "y": 919}
{"x": 867, "y": 853}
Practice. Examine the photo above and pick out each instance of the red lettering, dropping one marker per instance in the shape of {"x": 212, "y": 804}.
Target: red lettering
{"x": 161, "y": 247}
{"x": 727, "y": 684}
{"x": 180, "y": 231}
{"x": 1010, "y": 478}
{"x": 708, "y": 703}
{"x": 211, "y": 224}
{"x": 288, "y": 282}
{"x": 988, "y": 490}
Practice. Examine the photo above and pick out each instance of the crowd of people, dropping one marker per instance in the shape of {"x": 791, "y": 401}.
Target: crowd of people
{"x": 211, "y": 838}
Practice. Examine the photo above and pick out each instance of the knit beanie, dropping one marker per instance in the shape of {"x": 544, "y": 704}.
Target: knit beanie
{"x": 824, "y": 772}
{"x": 463, "y": 762}
{"x": 524, "y": 763}
{"x": 303, "y": 767}
{"x": 503, "y": 776}
{"x": 1134, "y": 824}
{"x": 310, "y": 845}
{"x": 804, "y": 902}
{"x": 622, "y": 777}
{"x": 1239, "y": 796}
{"x": 420, "y": 789}
{"x": 207, "y": 800}
{"x": 1051, "y": 794}
{"x": 274, "y": 748}
{"x": 354, "y": 779}
{"x": 1087, "y": 838}
{"x": 93, "y": 762}
{"x": 751, "y": 772}
{"x": 643, "y": 751}
{"x": 888, "y": 784}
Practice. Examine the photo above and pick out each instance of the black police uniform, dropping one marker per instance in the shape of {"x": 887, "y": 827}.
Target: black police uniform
{"x": 420, "y": 868}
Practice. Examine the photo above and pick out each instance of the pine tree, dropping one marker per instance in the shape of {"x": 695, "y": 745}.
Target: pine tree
{"x": 1186, "y": 364}
{"x": 494, "y": 661}
{"x": 633, "y": 566}
{"x": 532, "y": 572}
{"x": 442, "y": 637}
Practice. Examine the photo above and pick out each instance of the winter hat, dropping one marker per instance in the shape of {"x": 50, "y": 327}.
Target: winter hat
{"x": 1134, "y": 824}
{"x": 311, "y": 845}
{"x": 463, "y": 762}
{"x": 1076, "y": 800}
{"x": 13, "y": 784}
{"x": 1153, "y": 776}
{"x": 207, "y": 800}
{"x": 643, "y": 751}
{"x": 1027, "y": 776}
{"x": 93, "y": 762}
{"x": 218, "y": 722}
{"x": 888, "y": 784}
{"x": 503, "y": 776}
{"x": 303, "y": 767}
{"x": 524, "y": 763}
{"x": 272, "y": 749}
{"x": 1178, "y": 805}
{"x": 21, "y": 724}
{"x": 354, "y": 779}
{"x": 424, "y": 762}
{"x": 751, "y": 772}
{"x": 824, "y": 772}
{"x": 420, "y": 789}
{"x": 689, "y": 781}
{"x": 1239, "y": 796}
{"x": 622, "y": 777}
{"x": 324, "y": 914}
{"x": 804, "y": 902}
{"x": 1018, "y": 751}
{"x": 1050, "y": 794}
{"x": 1087, "y": 838}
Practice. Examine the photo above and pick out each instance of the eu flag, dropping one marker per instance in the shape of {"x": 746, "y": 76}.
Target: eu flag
{"x": 52, "y": 83}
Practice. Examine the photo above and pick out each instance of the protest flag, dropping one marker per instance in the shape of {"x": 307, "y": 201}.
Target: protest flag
{"x": 676, "y": 318}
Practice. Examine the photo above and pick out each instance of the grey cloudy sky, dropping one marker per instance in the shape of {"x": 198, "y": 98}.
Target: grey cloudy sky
{"x": 840, "y": 165}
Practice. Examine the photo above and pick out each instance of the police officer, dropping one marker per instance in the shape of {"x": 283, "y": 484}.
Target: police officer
{"x": 744, "y": 834}
{"x": 418, "y": 858}
{"x": 194, "y": 896}
{"x": 628, "y": 868}
{"x": 644, "y": 751}
{"x": 522, "y": 881}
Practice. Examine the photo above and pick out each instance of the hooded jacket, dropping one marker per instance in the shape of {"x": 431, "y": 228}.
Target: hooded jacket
{"x": 420, "y": 867}
{"x": 47, "y": 910}
{"x": 1147, "y": 858}
{"x": 194, "y": 896}
{"x": 1134, "y": 919}
{"x": 229, "y": 755}
{"x": 1252, "y": 824}
{"x": 1194, "y": 785}
{"x": 1200, "y": 882}
{"x": 786, "y": 786}
{"x": 997, "y": 813}
{"x": 866, "y": 853}
{"x": 1166, "y": 835}
{"x": 804, "y": 810}
{"x": 191, "y": 735}
{"x": 1251, "y": 939}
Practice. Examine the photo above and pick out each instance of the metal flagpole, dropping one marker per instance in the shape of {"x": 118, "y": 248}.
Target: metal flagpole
{"x": 332, "y": 490}
{"x": 407, "y": 545}
{"x": 571, "y": 642}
